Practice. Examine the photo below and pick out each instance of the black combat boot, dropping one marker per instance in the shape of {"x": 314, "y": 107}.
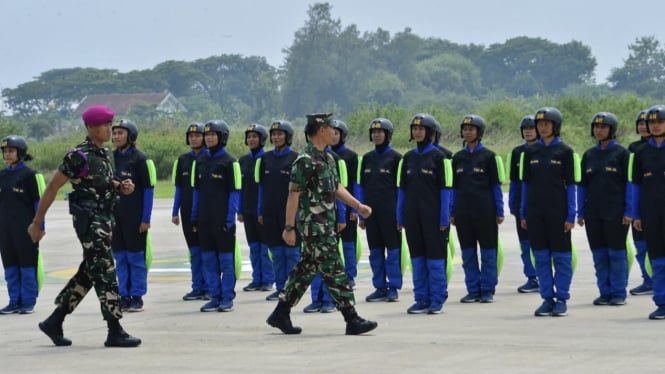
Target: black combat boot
{"x": 52, "y": 327}
{"x": 280, "y": 318}
{"x": 117, "y": 337}
{"x": 356, "y": 325}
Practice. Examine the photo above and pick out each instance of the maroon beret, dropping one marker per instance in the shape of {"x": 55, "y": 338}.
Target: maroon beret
{"x": 98, "y": 115}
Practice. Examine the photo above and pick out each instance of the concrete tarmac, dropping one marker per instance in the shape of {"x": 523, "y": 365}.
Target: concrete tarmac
{"x": 502, "y": 337}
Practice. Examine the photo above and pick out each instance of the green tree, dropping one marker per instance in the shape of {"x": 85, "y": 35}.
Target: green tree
{"x": 644, "y": 70}
{"x": 310, "y": 75}
{"x": 450, "y": 72}
{"x": 39, "y": 127}
{"x": 525, "y": 66}
{"x": 381, "y": 87}
{"x": 61, "y": 88}
{"x": 9, "y": 127}
{"x": 180, "y": 77}
{"x": 238, "y": 84}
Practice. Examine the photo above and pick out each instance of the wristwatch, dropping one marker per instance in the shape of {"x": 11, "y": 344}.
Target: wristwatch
{"x": 289, "y": 228}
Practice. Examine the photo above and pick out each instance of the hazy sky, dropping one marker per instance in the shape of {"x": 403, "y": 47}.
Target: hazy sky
{"x": 40, "y": 35}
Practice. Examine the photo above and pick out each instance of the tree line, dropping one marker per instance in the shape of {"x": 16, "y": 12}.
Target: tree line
{"x": 333, "y": 67}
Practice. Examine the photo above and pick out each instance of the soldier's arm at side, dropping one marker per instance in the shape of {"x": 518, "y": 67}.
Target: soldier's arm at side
{"x": 50, "y": 193}
{"x": 291, "y": 209}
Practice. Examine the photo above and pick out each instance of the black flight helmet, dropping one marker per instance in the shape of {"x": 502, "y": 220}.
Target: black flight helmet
{"x": 385, "y": 125}
{"x": 18, "y": 142}
{"x": 656, "y": 112}
{"x": 550, "y": 114}
{"x": 259, "y": 129}
{"x": 283, "y": 126}
{"x": 194, "y": 128}
{"x": 641, "y": 116}
{"x": 427, "y": 121}
{"x": 473, "y": 120}
{"x": 221, "y": 128}
{"x": 132, "y": 129}
{"x": 527, "y": 121}
{"x": 343, "y": 130}
{"x": 606, "y": 118}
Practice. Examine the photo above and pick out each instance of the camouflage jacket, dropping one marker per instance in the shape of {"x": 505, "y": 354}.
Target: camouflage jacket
{"x": 314, "y": 175}
{"x": 90, "y": 171}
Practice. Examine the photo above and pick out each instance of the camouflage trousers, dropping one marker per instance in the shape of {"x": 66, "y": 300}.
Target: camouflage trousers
{"x": 320, "y": 254}
{"x": 97, "y": 270}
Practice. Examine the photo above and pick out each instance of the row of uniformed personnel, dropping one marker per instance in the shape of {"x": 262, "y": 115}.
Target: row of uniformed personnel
{"x": 430, "y": 190}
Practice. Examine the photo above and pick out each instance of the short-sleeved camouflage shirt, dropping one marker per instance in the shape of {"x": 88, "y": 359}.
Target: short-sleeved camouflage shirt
{"x": 90, "y": 171}
{"x": 314, "y": 175}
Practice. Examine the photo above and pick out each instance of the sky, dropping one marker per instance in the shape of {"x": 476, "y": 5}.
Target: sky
{"x": 40, "y": 35}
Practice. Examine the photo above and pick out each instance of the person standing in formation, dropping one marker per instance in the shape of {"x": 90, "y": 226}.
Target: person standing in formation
{"x": 646, "y": 287}
{"x": 349, "y": 235}
{"x": 530, "y": 136}
{"x": 132, "y": 217}
{"x": 604, "y": 208}
{"x": 274, "y": 170}
{"x": 182, "y": 203}
{"x": 548, "y": 210}
{"x": 19, "y": 197}
{"x": 263, "y": 275}
{"x": 648, "y": 180}
{"x": 477, "y": 210}
{"x": 423, "y": 204}
{"x": 217, "y": 184}
{"x": 377, "y": 186}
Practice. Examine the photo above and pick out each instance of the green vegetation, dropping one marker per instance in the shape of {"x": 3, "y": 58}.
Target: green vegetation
{"x": 164, "y": 189}
{"x": 164, "y": 145}
{"x": 333, "y": 67}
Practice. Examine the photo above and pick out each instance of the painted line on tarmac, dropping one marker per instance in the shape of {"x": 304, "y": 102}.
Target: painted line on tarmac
{"x": 162, "y": 270}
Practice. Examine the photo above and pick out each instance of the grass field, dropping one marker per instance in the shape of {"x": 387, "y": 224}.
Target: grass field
{"x": 164, "y": 189}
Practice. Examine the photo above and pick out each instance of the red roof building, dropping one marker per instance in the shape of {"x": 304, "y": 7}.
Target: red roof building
{"x": 122, "y": 103}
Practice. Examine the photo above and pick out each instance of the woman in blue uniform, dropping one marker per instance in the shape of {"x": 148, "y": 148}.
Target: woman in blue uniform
{"x": 548, "y": 210}
{"x": 530, "y": 136}
{"x": 182, "y": 208}
{"x": 649, "y": 202}
{"x": 376, "y": 186}
{"x": 603, "y": 207}
{"x": 646, "y": 288}
{"x": 132, "y": 217}
{"x": 477, "y": 210}
{"x": 263, "y": 275}
{"x": 274, "y": 173}
{"x": 350, "y": 232}
{"x": 19, "y": 197}
{"x": 214, "y": 209}
{"x": 423, "y": 211}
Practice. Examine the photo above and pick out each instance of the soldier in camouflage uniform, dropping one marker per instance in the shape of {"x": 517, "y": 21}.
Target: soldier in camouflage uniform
{"x": 89, "y": 168}
{"x": 313, "y": 187}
